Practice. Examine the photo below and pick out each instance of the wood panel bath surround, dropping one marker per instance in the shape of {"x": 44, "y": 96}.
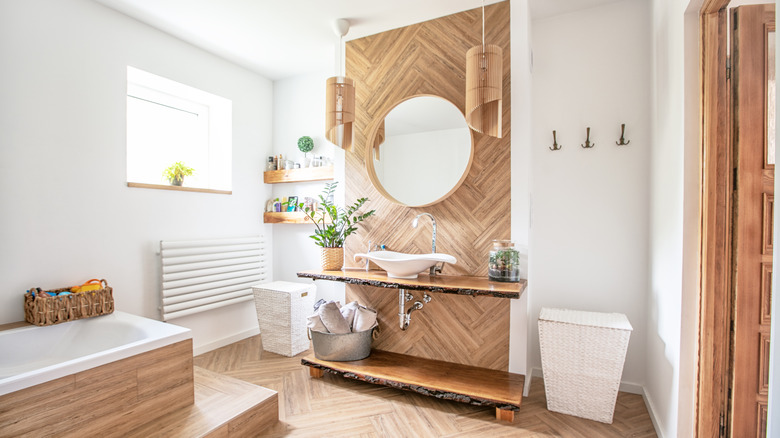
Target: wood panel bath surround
{"x": 429, "y": 58}
{"x": 105, "y": 401}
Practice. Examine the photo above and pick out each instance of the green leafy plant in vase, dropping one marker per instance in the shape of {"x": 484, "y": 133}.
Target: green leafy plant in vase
{"x": 176, "y": 172}
{"x": 333, "y": 225}
{"x": 305, "y": 145}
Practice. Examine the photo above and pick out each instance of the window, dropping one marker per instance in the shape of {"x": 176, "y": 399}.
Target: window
{"x": 168, "y": 122}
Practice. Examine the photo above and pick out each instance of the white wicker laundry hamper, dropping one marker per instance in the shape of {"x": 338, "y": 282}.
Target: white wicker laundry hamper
{"x": 582, "y": 361}
{"x": 282, "y": 308}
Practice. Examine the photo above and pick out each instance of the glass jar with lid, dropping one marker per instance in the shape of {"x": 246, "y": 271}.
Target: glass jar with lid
{"x": 504, "y": 262}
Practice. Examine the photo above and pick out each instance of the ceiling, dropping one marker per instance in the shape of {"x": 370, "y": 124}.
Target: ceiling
{"x": 283, "y": 38}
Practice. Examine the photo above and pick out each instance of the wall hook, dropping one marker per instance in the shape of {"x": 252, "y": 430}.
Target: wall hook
{"x": 622, "y": 141}
{"x": 555, "y": 146}
{"x": 588, "y": 144}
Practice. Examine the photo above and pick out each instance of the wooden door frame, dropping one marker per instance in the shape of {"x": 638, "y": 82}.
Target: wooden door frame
{"x": 716, "y": 270}
{"x": 716, "y": 204}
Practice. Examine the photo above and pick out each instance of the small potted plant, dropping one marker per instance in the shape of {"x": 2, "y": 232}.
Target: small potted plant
{"x": 333, "y": 226}
{"x": 305, "y": 145}
{"x": 176, "y": 172}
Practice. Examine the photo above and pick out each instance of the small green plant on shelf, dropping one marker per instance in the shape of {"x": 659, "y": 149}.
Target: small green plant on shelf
{"x": 305, "y": 145}
{"x": 342, "y": 221}
{"x": 176, "y": 172}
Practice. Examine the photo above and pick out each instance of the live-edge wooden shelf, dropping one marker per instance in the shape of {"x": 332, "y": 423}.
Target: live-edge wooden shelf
{"x": 298, "y": 175}
{"x": 450, "y": 284}
{"x": 291, "y": 217}
{"x": 444, "y": 380}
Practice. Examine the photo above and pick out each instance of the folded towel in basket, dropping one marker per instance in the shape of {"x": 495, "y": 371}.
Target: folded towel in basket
{"x": 348, "y": 312}
{"x": 315, "y": 323}
{"x": 365, "y": 319}
{"x": 332, "y": 318}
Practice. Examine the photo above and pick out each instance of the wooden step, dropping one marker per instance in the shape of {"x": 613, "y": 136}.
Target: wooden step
{"x": 445, "y": 380}
{"x": 224, "y": 407}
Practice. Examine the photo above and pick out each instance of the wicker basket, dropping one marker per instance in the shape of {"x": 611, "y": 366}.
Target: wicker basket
{"x": 582, "y": 361}
{"x": 41, "y": 310}
{"x": 282, "y": 308}
{"x": 332, "y": 259}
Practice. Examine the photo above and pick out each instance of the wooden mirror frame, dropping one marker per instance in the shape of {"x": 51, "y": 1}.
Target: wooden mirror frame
{"x": 369, "y": 153}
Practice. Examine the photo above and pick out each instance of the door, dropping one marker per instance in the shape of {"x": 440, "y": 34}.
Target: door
{"x": 753, "y": 87}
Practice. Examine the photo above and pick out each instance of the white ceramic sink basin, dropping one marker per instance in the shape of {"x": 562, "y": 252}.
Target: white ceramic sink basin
{"x": 402, "y": 265}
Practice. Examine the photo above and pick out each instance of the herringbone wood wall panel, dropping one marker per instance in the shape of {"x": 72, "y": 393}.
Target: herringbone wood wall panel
{"x": 430, "y": 59}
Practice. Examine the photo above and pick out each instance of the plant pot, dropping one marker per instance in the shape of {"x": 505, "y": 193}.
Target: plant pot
{"x": 177, "y": 182}
{"x": 332, "y": 259}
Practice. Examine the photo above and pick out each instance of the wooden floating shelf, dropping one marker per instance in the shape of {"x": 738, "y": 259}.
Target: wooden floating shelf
{"x": 298, "y": 175}
{"x": 449, "y": 381}
{"x": 449, "y": 284}
{"x": 291, "y": 217}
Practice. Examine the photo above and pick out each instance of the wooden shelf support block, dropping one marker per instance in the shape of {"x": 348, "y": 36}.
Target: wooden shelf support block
{"x": 316, "y": 372}
{"x": 505, "y": 415}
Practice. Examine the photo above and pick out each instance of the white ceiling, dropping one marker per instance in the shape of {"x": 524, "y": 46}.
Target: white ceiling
{"x": 283, "y": 38}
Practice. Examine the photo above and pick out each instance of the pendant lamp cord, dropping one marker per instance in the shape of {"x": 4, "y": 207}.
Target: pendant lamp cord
{"x": 483, "y": 25}
{"x": 341, "y": 62}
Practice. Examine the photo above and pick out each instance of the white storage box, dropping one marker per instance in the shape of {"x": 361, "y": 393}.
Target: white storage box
{"x": 282, "y": 308}
{"x": 582, "y": 361}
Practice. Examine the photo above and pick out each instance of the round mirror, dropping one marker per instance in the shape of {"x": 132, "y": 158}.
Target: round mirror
{"x": 421, "y": 153}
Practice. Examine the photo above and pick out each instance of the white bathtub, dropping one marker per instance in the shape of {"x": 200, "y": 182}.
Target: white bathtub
{"x": 33, "y": 355}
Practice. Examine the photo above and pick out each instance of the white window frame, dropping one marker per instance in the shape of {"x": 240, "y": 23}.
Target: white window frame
{"x": 214, "y": 124}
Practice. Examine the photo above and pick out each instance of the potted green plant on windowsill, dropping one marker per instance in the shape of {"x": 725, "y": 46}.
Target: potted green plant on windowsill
{"x": 176, "y": 172}
{"x": 333, "y": 225}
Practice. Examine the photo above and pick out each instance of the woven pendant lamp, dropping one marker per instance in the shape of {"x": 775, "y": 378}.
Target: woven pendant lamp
{"x": 340, "y": 99}
{"x": 484, "y": 73}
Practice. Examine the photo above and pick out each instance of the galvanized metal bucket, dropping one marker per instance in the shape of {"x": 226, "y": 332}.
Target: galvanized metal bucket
{"x": 342, "y": 347}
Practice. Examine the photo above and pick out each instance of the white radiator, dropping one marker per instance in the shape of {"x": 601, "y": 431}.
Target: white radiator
{"x": 200, "y": 275}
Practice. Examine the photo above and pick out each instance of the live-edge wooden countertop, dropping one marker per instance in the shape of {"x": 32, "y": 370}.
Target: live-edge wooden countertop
{"x": 450, "y": 284}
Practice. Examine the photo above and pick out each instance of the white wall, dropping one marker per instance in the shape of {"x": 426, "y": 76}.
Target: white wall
{"x": 589, "y": 221}
{"x": 520, "y": 43}
{"x": 67, "y": 214}
{"x": 299, "y": 104}
{"x": 672, "y": 300}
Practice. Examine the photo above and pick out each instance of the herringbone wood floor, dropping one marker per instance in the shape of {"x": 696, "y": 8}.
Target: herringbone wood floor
{"x": 337, "y": 407}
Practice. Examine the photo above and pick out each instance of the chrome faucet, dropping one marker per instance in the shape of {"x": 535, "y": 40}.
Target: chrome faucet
{"x": 373, "y": 248}
{"x": 434, "y": 269}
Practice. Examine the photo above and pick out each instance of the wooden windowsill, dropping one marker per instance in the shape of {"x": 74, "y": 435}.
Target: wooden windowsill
{"x": 177, "y": 188}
